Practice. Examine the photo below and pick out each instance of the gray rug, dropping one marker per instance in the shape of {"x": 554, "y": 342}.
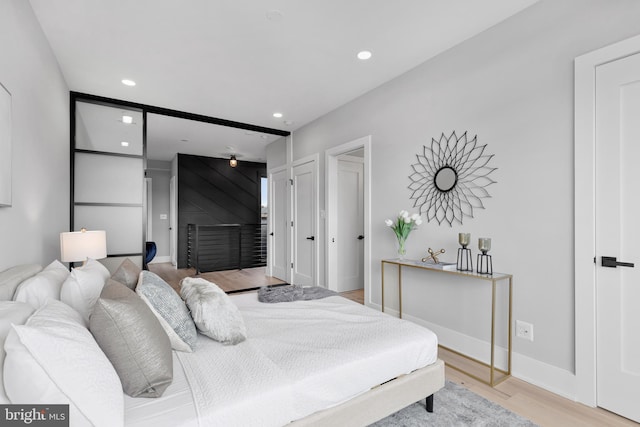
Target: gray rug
{"x": 454, "y": 405}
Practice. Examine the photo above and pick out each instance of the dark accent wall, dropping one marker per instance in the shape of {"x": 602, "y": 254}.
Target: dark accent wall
{"x": 212, "y": 192}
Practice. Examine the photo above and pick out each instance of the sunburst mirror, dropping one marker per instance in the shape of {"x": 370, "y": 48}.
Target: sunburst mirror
{"x": 451, "y": 178}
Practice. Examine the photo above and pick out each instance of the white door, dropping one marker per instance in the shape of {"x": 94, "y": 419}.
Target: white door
{"x": 618, "y": 235}
{"x": 173, "y": 221}
{"x": 304, "y": 227}
{"x": 278, "y": 219}
{"x": 350, "y": 216}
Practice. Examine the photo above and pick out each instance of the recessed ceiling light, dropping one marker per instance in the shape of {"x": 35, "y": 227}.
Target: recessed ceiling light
{"x": 128, "y": 82}
{"x": 124, "y": 143}
{"x": 364, "y": 55}
{"x": 184, "y": 140}
{"x": 127, "y": 119}
{"x": 277, "y": 115}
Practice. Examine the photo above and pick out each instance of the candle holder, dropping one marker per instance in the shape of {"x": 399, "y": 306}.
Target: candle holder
{"x": 484, "y": 262}
{"x": 464, "y": 261}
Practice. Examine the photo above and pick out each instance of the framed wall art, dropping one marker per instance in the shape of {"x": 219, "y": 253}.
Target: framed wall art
{"x": 451, "y": 178}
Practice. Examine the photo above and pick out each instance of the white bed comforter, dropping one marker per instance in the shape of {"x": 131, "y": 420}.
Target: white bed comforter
{"x": 299, "y": 358}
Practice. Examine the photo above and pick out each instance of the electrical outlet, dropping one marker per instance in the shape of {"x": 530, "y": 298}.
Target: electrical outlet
{"x": 524, "y": 330}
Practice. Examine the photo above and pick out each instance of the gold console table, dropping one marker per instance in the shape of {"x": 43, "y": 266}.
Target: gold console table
{"x": 494, "y": 278}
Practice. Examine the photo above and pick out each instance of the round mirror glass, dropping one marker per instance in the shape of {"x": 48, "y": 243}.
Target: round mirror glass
{"x": 446, "y": 178}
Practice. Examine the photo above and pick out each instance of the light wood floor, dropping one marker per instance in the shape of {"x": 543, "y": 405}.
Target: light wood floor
{"x": 231, "y": 280}
{"x": 357, "y": 296}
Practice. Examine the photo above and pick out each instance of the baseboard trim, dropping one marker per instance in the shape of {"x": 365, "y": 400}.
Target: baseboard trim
{"x": 160, "y": 259}
{"x": 551, "y": 378}
{"x": 465, "y": 344}
{"x": 543, "y": 375}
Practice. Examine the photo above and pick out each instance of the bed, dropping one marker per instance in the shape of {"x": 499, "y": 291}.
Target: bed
{"x": 329, "y": 361}
{"x": 309, "y": 361}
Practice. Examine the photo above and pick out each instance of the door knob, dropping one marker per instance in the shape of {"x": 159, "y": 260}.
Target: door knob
{"x": 311, "y": 238}
{"x": 271, "y": 234}
{"x": 610, "y": 261}
{"x": 360, "y": 237}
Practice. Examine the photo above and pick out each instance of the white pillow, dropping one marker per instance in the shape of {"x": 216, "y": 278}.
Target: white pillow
{"x": 45, "y": 285}
{"x": 12, "y": 277}
{"x": 82, "y": 287}
{"x": 10, "y": 312}
{"x": 54, "y": 359}
{"x": 213, "y": 312}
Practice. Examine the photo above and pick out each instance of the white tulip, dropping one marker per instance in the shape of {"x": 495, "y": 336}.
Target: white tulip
{"x": 407, "y": 220}
{"x": 404, "y": 214}
{"x": 415, "y": 216}
{"x": 418, "y": 221}
{"x": 388, "y": 222}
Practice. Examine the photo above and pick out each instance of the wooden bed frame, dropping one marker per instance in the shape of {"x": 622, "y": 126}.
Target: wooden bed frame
{"x": 382, "y": 400}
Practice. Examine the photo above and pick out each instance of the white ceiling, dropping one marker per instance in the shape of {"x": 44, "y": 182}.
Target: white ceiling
{"x": 169, "y": 135}
{"x": 243, "y": 60}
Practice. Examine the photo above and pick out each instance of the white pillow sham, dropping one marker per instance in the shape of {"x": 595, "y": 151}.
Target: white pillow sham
{"x": 43, "y": 286}
{"x": 11, "y": 312}
{"x": 213, "y": 312}
{"x": 54, "y": 359}
{"x": 12, "y": 277}
{"x": 82, "y": 287}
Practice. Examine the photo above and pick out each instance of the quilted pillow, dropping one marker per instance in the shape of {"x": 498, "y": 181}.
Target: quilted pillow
{"x": 213, "y": 312}
{"x": 127, "y": 274}
{"x": 133, "y": 340}
{"x": 83, "y": 286}
{"x": 12, "y": 277}
{"x": 171, "y": 311}
{"x": 54, "y": 359}
{"x": 11, "y": 312}
{"x": 43, "y": 286}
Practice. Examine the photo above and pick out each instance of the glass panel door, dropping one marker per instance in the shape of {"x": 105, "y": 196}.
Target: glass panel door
{"x": 108, "y": 165}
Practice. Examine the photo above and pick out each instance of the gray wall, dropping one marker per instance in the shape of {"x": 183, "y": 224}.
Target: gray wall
{"x": 277, "y": 153}
{"x": 512, "y": 86}
{"x": 160, "y": 173}
{"x": 30, "y": 228}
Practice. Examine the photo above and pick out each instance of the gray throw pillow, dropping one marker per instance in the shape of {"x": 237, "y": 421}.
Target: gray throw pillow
{"x": 213, "y": 312}
{"x": 127, "y": 274}
{"x": 171, "y": 311}
{"x": 131, "y": 336}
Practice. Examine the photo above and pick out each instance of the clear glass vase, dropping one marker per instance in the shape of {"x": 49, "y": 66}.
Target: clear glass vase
{"x": 401, "y": 250}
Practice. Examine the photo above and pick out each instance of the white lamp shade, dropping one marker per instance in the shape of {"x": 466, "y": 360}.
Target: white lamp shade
{"x": 80, "y": 245}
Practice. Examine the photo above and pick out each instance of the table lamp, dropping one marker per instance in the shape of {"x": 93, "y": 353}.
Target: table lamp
{"x": 80, "y": 245}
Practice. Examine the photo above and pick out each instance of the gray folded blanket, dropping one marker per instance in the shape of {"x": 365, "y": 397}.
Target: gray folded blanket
{"x": 290, "y": 293}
